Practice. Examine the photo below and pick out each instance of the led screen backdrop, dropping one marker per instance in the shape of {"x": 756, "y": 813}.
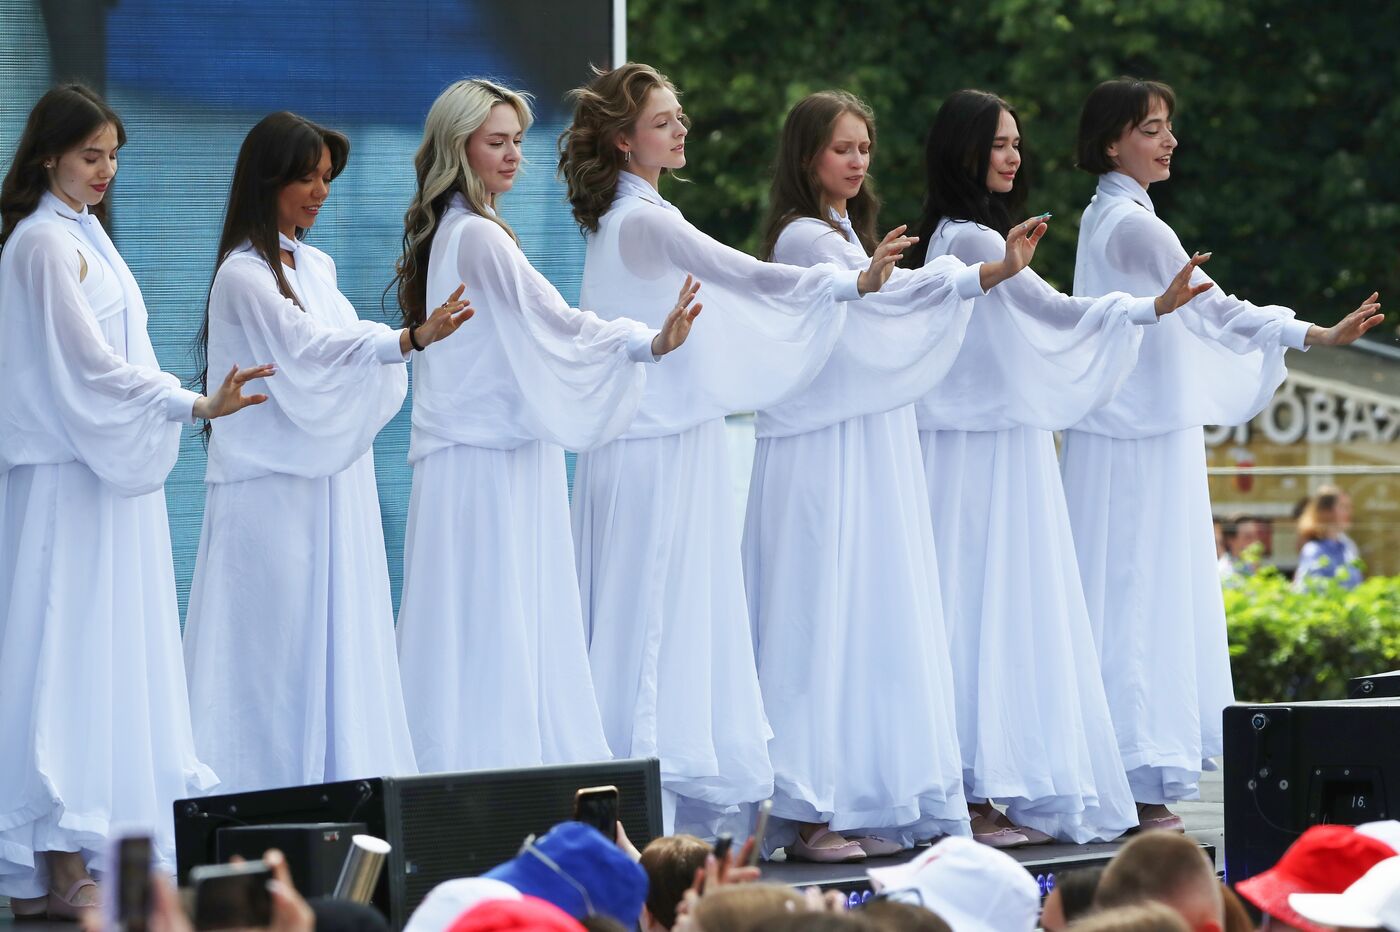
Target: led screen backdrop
{"x": 190, "y": 78}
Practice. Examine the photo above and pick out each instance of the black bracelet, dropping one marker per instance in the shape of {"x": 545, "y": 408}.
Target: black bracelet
{"x": 413, "y": 337}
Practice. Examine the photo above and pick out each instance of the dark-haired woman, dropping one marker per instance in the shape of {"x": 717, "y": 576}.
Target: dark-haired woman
{"x": 654, "y": 522}
{"x": 1134, "y": 469}
{"x": 839, "y": 563}
{"x": 494, "y": 660}
{"x": 289, "y": 638}
{"x": 1032, "y": 718}
{"x": 94, "y": 720}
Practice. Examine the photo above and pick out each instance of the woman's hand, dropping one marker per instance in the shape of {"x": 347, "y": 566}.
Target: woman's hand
{"x": 1366, "y": 317}
{"x": 677, "y": 325}
{"x": 1020, "y": 249}
{"x": 443, "y": 321}
{"x": 229, "y": 396}
{"x": 1181, "y": 290}
{"x": 890, "y": 251}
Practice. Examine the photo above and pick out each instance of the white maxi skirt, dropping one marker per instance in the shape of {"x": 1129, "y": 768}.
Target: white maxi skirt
{"x": 491, "y": 642}
{"x": 1033, "y": 720}
{"x": 1140, "y": 511}
{"x": 663, "y": 601}
{"x": 94, "y": 718}
{"x": 289, "y": 638}
{"x": 843, "y": 589}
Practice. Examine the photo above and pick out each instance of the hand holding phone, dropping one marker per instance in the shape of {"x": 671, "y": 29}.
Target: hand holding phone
{"x": 232, "y": 896}
{"x": 129, "y": 901}
{"x": 597, "y": 806}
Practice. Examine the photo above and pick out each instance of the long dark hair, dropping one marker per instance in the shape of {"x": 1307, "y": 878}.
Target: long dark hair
{"x": 604, "y": 109}
{"x": 957, "y": 154}
{"x": 796, "y": 192}
{"x": 62, "y": 119}
{"x": 282, "y": 148}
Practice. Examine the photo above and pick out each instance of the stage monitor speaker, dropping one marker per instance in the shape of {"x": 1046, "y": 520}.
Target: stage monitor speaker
{"x": 1292, "y": 765}
{"x": 441, "y": 826}
{"x": 1375, "y": 686}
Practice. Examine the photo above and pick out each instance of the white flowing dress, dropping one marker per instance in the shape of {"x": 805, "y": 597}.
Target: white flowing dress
{"x": 491, "y": 640}
{"x": 1033, "y": 720}
{"x": 94, "y": 720}
{"x": 653, "y": 513}
{"x": 289, "y": 637}
{"x": 840, "y": 566}
{"x": 1134, "y": 474}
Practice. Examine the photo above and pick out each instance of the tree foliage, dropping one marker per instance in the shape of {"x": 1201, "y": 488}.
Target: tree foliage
{"x": 1288, "y": 116}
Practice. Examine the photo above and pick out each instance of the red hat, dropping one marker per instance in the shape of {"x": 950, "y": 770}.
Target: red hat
{"x": 526, "y": 913}
{"x": 1324, "y": 859}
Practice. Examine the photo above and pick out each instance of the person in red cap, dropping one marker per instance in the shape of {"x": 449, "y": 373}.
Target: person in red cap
{"x": 1324, "y": 859}
{"x": 506, "y": 915}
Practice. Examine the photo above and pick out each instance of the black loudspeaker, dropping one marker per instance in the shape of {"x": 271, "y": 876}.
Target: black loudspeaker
{"x": 1375, "y": 686}
{"x": 441, "y": 826}
{"x": 315, "y": 851}
{"x": 1292, "y": 765}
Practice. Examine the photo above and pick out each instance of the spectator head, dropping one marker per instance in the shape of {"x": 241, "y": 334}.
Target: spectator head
{"x": 746, "y": 907}
{"x": 450, "y": 899}
{"x": 1324, "y": 859}
{"x": 1071, "y": 898}
{"x": 1372, "y": 902}
{"x": 1220, "y": 544}
{"x": 973, "y": 888}
{"x": 1343, "y": 503}
{"x": 1321, "y": 518}
{"x": 1140, "y": 917}
{"x": 670, "y": 862}
{"x": 893, "y": 916}
{"x": 1167, "y": 868}
{"x": 577, "y": 869}
{"x": 822, "y": 922}
{"x": 526, "y": 913}
{"x": 1236, "y": 916}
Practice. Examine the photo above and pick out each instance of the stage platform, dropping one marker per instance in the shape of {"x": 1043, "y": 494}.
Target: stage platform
{"x": 1205, "y": 821}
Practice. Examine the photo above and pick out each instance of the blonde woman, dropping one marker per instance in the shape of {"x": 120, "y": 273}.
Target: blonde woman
{"x": 490, "y": 630}
{"x": 1326, "y": 551}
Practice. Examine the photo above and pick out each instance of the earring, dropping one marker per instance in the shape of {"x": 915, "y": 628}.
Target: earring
{"x": 48, "y": 164}
{"x": 627, "y": 156}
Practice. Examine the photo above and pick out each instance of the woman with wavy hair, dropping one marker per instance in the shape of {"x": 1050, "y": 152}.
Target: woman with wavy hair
{"x": 289, "y": 637}
{"x": 494, "y": 664}
{"x": 839, "y": 565}
{"x": 1134, "y": 469}
{"x": 94, "y": 720}
{"x": 654, "y": 522}
{"x": 1032, "y": 718}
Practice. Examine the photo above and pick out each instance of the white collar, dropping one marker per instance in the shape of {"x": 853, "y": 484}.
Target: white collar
{"x": 1117, "y": 184}
{"x": 845, "y": 224}
{"x": 55, "y": 203}
{"x": 631, "y": 185}
{"x": 460, "y": 202}
{"x": 291, "y": 245}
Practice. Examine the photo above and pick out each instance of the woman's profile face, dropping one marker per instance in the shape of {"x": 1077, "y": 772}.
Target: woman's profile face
{"x": 300, "y": 201}
{"x": 493, "y": 150}
{"x": 1005, "y": 160}
{"x": 80, "y": 176}
{"x": 1144, "y": 151}
{"x": 657, "y": 139}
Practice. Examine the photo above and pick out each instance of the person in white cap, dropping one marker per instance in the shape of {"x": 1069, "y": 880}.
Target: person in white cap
{"x": 972, "y": 887}
{"x": 1373, "y": 902}
{"x": 451, "y": 898}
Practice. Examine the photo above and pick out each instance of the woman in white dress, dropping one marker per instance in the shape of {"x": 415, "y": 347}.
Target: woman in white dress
{"x": 1033, "y": 721}
{"x": 289, "y": 638}
{"x": 1134, "y": 469}
{"x": 93, "y": 714}
{"x": 494, "y": 664}
{"x": 839, "y": 563}
{"x": 653, "y": 513}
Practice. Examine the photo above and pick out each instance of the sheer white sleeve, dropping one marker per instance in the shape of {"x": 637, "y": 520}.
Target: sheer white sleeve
{"x": 527, "y": 366}
{"x": 64, "y": 388}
